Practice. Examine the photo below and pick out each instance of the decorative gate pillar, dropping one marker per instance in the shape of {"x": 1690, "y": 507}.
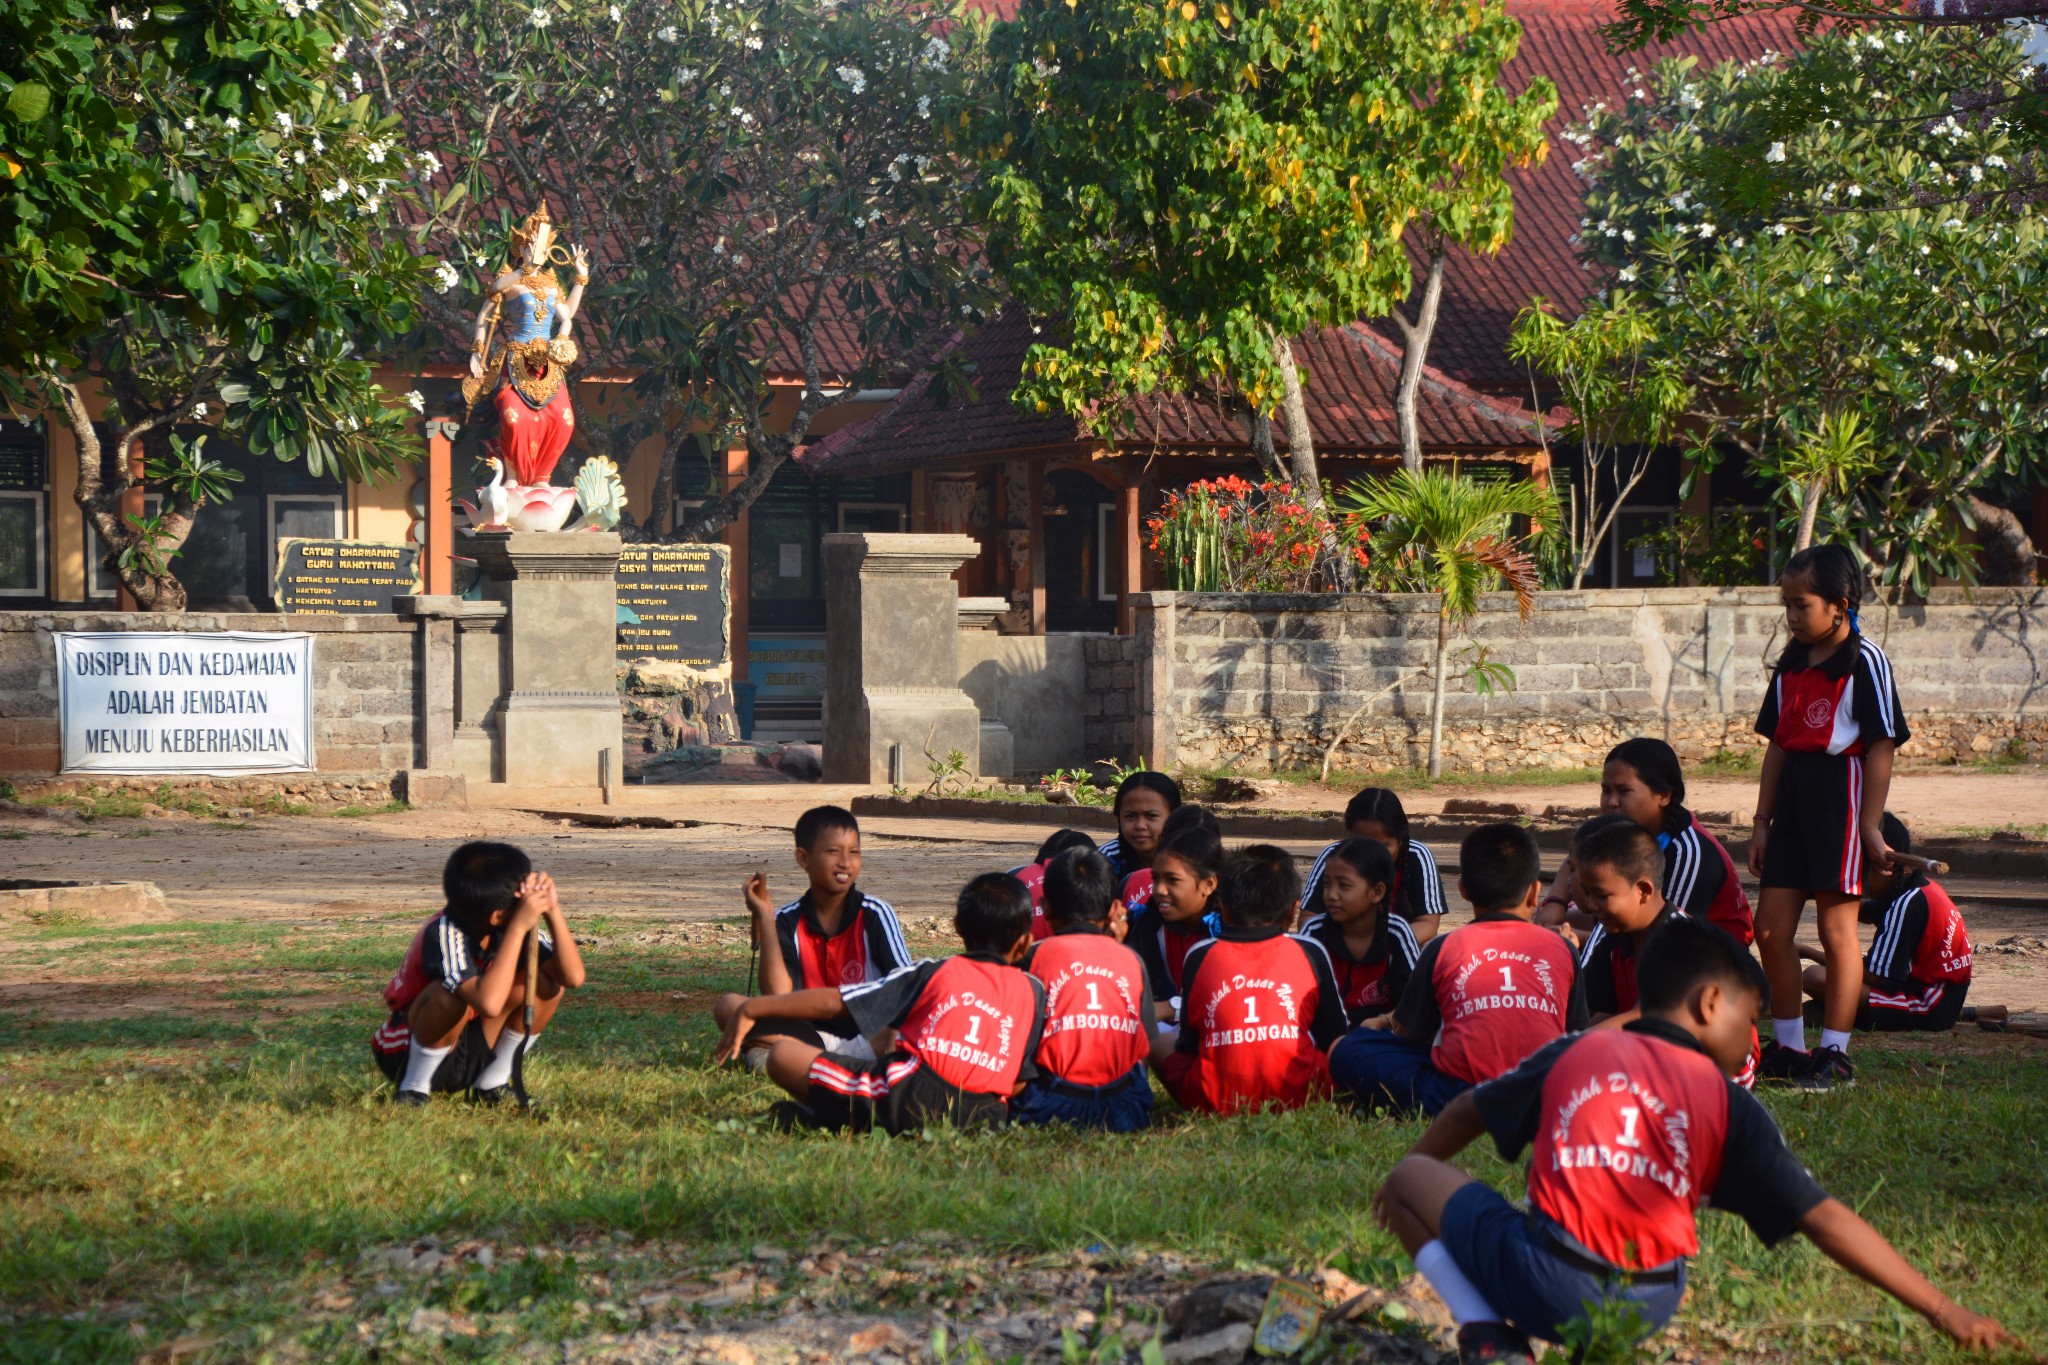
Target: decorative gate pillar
{"x": 559, "y": 709}
{"x": 892, "y": 668}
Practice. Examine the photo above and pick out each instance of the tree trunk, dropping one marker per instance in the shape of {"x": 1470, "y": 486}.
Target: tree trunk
{"x": 101, "y": 504}
{"x": 657, "y": 520}
{"x": 1415, "y": 354}
{"x": 763, "y": 459}
{"x": 1260, "y": 425}
{"x": 1809, "y": 512}
{"x": 2008, "y": 553}
{"x": 1301, "y": 456}
{"x": 1436, "y": 705}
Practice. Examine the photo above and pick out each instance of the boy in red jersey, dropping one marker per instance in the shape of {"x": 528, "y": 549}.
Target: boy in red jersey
{"x": 1098, "y": 1009}
{"x": 1629, "y": 1130}
{"x": 456, "y": 998}
{"x": 1262, "y": 1005}
{"x": 1482, "y": 997}
{"x": 1917, "y": 972}
{"x": 835, "y": 934}
{"x": 966, "y": 1028}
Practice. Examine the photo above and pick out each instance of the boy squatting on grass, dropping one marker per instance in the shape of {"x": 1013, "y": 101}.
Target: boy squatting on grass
{"x": 455, "y": 996}
{"x": 834, "y": 934}
{"x": 1629, "y": 1129}
{"x": 966, "y": 1029}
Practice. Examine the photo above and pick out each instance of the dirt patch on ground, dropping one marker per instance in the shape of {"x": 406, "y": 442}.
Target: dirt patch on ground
{"x": 82, "y": 1001}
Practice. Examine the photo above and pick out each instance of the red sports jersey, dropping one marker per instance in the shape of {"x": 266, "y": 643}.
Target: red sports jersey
{"x": 1836, "y": 707}
{"x": 1259, "y": 1012}
{"x": 1943, "y": 953}
{"x": 1098, "y": 1014}
{"x": 1137, "y": 888}
{"x": 1504, "y": 989}
{"x": 971, "y": 1023}
{"x": 411, "y": 977}
{"x": 1033, "y": 877}
{"x": 1634, "y": 1141}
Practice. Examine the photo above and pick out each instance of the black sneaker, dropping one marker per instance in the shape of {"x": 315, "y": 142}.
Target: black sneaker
{"x": 491, "y": 1098}
{"x": 1830, "y": 1069}
{"x": 1493, "y": 1343}
{"x": 412, "y": 1099}
{"x": 1781, "y": 1065}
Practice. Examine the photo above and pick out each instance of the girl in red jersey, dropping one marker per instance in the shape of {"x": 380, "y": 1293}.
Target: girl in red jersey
{"x": 1418, "y": 891}
{"x": 1833, "y": 718}
{"x": 1137, "y": 887}
{"x": 1372, "y": 950}
{"x": 1143, "y": 801}
{"x": 1180, "y": 914}
{"x": 1642, "y": 780}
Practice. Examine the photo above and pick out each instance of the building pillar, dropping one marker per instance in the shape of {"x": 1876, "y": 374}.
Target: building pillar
{"x": 1036, "y": 533}
{"x": 1129, "y": 558}
{"x": 892, "y": 656}
{"x": 560, "y": 706}
{"x": 740, "y": 588}
{"x": 438, "y": 491}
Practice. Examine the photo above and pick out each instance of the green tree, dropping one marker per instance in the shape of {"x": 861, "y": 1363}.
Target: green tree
{"x": 761, "y": 184}
{"x": 187, "y": 200}
{"x": 1457, "y": 531}
{"x": 1830, "y": 233}
{"x": 1186, "y": 187}
{"x": 1622, "y": 404}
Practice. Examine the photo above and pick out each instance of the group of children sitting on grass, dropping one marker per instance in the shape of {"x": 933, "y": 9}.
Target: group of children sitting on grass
{"x": 1602, "y": 1023}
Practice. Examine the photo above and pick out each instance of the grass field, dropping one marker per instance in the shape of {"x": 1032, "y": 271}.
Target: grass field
{"x": 187, "y": 1183}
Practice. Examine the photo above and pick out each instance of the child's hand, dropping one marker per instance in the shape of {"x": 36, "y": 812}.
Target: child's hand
{"x": 755, "y": 889}
{"x": 734, "y": 1038}
{"x": 544, "y": 892}
{"x": 1876, "y": 852}
{"x": 533, "y": 900}
{"x": 1973, "y": 1330}
{"x": 1119, "y": 921}
{"x": 1380, "y": 1023}
{"x": 1759, "y": 835}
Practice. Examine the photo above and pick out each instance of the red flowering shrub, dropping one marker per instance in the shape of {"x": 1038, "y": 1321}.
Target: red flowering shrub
{"x": 1231, "y": 535}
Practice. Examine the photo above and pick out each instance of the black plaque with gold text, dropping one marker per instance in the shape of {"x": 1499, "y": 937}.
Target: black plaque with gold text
{"x": 680, "y": 595}
{"x": 343, "y": 577}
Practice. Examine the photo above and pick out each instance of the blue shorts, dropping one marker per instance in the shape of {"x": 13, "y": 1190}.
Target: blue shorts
{"x": 1123, "y": 1106}
{"x": 1386, "y": 1071}
{"x": 1511, "y": 1258}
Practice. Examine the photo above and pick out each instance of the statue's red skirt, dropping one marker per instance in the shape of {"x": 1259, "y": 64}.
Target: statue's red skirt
{"x": 531, "y": 440}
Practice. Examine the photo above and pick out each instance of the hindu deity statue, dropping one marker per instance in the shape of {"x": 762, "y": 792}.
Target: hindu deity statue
{"x": 527, "y": 361}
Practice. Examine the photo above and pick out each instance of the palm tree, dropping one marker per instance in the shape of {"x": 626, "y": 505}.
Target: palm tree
{"x": 1835, "y": 454}
{"x": 1459, "y": 531}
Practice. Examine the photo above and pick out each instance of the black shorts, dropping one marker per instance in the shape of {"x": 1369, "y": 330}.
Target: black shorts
{"x": 1816, "y": 833}
{"x": 458, "y": 1070}
{"x": 897, "y": 1094}
{"x": 1919, "y": 1008}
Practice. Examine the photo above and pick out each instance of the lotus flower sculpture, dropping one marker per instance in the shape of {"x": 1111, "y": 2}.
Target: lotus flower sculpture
{"x": 541, "y": 506}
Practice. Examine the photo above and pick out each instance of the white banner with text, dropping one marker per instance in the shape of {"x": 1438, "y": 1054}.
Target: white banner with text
{"x": 171, "y": 702}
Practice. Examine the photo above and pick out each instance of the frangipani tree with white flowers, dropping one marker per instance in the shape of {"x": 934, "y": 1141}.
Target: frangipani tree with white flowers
{"x": 1836, "y": 234}
{"x": 761, "y": 185}
{"x": 187, "y": 199}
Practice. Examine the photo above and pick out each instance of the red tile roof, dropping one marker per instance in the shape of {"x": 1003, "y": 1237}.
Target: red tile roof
{"x": 1560, "y": 39}
{"x": 1350, "y": 375}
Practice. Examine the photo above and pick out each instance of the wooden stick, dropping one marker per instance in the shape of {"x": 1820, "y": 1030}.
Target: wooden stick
{"x": 1932, "y": 866}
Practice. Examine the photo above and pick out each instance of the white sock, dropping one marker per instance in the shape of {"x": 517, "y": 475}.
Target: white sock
{"x": 420, "y": 1065}
{"x": 498, "y": 1071}
{"x": 1790, "y": 1033}
{"x": 1834, "y": 1037}
{"x": 1459, "y": 1294}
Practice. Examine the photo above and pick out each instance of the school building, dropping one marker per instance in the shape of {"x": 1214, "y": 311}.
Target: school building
{"x": 1058, "y": 512}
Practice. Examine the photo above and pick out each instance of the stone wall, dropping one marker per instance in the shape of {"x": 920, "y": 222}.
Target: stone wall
{"x": 1029, "y": 683}
{"x": 366, "y": 684}
{"x": 1109, "y": 698}
{"x": 1258, "y": 682}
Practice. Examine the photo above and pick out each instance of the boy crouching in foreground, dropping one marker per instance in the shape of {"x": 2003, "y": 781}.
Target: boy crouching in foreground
{"x": 456, "y": 998}
{"x": 1629, "y": 1129}
{"x": 966, "y": 1028}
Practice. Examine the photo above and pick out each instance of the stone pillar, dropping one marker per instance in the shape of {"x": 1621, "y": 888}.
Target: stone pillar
{"x": 560, "y": 705}
{"x": 892, "y": 672}
{"x": 1156, "y": 738}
